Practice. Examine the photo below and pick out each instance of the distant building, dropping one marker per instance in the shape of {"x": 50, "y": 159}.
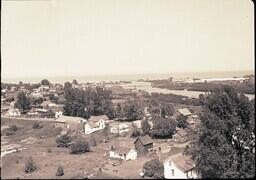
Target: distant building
{"x": 119, "y": 128}
{"x": 123, "y": 153}
{"x": 143, "y": 145}
{"x": 69, "y": 122}
{"x": 95, "y": 123}
{"x": 14, "y": 112}
{"x": 179, "y": 167}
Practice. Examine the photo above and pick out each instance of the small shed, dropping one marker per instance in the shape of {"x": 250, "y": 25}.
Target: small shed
{"x": 143, "y": 145}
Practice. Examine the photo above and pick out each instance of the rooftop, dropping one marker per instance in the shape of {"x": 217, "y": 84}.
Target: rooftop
{"x": 97, "y": 118}
{"x": 182, "y": 162}
{"x": 184, "y": 112}
{"x": 69, "y": 119}
{"x": 145, "y": 140}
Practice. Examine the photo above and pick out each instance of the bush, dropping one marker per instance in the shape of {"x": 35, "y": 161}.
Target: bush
{"x": 63, "y": 141}
{"x": 13, "y": 128}
{"x": 36, "y": 125}
{"x": 9, "y": 132}
{"x": 154, "y": 168}
{"x": 182, "y": 122}
{"x": 80, "y": 147}
{"x": 49, "y": 150}
{"x": 60, "y": 171}
{"x": 30, "y": 166}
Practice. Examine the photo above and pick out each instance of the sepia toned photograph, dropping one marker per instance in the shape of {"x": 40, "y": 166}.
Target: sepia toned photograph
{"x": 127, "y": 89}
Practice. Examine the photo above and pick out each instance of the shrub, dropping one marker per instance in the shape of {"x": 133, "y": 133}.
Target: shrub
{"x": 30, "y": 166}
{"x": 49, "y": 150}
{"x": 80, "y": 147}
{"x": 60, "y": 171}
{"x": 154, "y": 168}
{"x": 63, "y": 141}
{"x": 182, "y": 121}
{"x": 9, "y": 132}
{"x": 13, "y": 128}
{"x": 36, "y": 125}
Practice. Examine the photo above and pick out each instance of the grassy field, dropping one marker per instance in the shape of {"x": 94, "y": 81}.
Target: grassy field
{"x": 47, "y": 156}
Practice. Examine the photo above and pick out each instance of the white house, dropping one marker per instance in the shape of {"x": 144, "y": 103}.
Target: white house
{"x": 138, "y": 123}
{"x": 69, "y": 122}
{"x": 95, "y": 123}
{"x": 124, "y": 154}
{"x": 119, "y": 128}
{"x": 179, "y": 167}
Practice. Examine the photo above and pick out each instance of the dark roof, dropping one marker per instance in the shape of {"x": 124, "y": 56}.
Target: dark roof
{"x": 145, "y": 140}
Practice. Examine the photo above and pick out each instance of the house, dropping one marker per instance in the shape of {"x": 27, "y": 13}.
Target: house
{"x": 124, "y": 153}
{"x": 179, "y": 167}
{"x": 14, "y": 112}
{"x": 69, "y": 122}
{"x": 36, "y": 95}
{"x": 184, "y": 112}
{"x": 143, "y": 145}
{"x": 119, "y": 128}
{"x": 180, "y": 135}
{"x": 122, "y": 148}
{"x": 138, "y": 123}
{"x": 45, "y": 104}
{"x": 95, "y": 123}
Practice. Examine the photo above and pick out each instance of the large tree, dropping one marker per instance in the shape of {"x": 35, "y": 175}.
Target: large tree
{"x": 23, "y": 102}
{"x": 45, "y": 82}
{"x": 225, "y": 147}
{"x": 163, "y": 128}
{"x": 84, "y": 103}
{"x": 133, "y": 110}
{"x": 145, "y": 126}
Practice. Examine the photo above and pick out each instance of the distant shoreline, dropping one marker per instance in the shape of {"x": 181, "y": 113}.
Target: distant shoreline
{"x": 131, "y": 77}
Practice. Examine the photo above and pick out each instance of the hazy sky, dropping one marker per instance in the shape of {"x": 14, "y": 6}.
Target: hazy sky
{"x": 63, "y": 37}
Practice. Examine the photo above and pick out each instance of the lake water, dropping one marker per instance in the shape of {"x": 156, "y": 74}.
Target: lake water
{"x": 128, "y": 77}
{"x": 146, "y": 86}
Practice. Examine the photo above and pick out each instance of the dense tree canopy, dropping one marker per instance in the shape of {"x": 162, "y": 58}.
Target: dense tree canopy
{"x": 45, "y": 82}
{"x": 133, "y": 110}
{"x": 145, "y": 126}
{"x": 75, "y": 82}
{"x": 182, "y": 121}
{"x": 163, "y": 127}
{"x": 154, "y": 168}
{"x": 225, "y": 147}
{"x": 84, "y": 103}
{"x": 23, "y": 102}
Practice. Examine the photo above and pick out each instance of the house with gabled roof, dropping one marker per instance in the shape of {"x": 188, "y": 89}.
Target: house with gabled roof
{"x": 70, "y": 122}
{"x": 143, "y": 145}
{"x": 179, "y": 166}
{"x": 95, "y": 123}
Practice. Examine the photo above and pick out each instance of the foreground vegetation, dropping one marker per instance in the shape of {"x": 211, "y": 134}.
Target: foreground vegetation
{"x": 225, "y": 147}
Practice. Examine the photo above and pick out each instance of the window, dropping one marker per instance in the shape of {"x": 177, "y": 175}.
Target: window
{"x": 170, "y": 163}
{"x": 172, "y": 172}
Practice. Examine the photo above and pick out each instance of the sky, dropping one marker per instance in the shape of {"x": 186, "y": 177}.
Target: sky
{"x": 41, "y": 38}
